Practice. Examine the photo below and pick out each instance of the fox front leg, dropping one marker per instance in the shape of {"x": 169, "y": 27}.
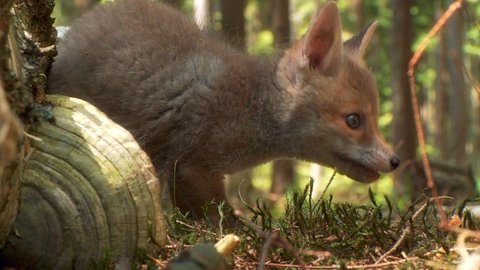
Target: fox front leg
{"x": 193, "y": 188}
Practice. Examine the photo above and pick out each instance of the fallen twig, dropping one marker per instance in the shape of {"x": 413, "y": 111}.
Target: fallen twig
{"x": 271, "y": 238}
{"x": 400, "y": 240}
{"x": 368, "y": 266}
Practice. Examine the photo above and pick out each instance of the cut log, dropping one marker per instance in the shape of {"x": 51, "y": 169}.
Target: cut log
{"x": 88, "y": 193}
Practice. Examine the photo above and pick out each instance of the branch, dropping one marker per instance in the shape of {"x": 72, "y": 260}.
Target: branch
{"x": 271, "y": 239}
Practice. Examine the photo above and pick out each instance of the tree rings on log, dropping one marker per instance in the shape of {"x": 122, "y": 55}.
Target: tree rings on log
{"x": 88, "y": 193}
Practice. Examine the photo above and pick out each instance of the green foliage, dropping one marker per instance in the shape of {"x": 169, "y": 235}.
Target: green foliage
{"x": 472, "y": 42}
{"x": 259, "y": 32}
{"x": 351, "y": 232}
{"x": 263, "y": 44}
{"x": 346, "y": 233}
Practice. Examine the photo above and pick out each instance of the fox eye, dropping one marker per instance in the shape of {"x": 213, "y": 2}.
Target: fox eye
{"x": 353, "y": 120}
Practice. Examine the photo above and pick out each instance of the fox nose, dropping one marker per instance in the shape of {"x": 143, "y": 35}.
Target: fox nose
{"x": 395, "y": 162}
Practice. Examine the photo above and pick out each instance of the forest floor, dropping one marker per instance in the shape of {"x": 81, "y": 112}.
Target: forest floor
{"x": 323, "y": 234}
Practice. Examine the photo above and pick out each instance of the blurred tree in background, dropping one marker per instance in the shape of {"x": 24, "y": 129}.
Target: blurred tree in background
{"x": 447, "y": 76}
{"x": 283, "y": 171}
{"x": 233, "y": 22}
{"x": 403, "y": 137}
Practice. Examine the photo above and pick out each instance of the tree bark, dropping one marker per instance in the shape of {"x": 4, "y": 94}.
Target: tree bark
{"x": 11, "y": 128}
{"x": 36, "y": 43}
{"x": 27, "y": 48}
{"x": 404, "y": 135}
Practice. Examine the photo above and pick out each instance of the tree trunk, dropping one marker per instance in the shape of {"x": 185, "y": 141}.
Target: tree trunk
{"x": 359, "y": 11}
{"x": 32, "y": 46}
{"x": 281, "y": 23}
{"x": 475, "y": 67}
{"x": 404, "y": 135}
{"x": 26, "y": 51}
{"x": 239, "y": 188}
{"x": 9, "y": 185}
{"x": 283, "y": 174}
{"x": 283, "y": 171}
{"x": 441, "y": 99}
{"x": 458, "y": 97}
{"x": 233, "y": 22}
{"x": 174, "y": 3}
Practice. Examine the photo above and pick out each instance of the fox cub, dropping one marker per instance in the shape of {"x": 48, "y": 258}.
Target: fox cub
{"x": 202, "y": 109}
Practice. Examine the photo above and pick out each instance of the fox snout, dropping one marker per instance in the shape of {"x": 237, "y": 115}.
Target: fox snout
{"x": 370, "y": 161}
{"x": 381, "y": 157}
{"x": 383, "y": 164}
{"x": 394, "y": 162}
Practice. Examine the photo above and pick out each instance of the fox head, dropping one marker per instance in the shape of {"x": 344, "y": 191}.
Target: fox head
{"x": 334, "y": 100}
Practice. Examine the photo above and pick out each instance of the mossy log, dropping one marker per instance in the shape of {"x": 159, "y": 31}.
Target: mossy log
{"x": 88, "y": 193}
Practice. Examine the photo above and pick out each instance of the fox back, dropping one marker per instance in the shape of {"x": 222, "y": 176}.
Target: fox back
{"x": 202, "y": 109}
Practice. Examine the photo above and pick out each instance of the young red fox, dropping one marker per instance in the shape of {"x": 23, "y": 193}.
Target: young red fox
{"x": 201, "y": 109}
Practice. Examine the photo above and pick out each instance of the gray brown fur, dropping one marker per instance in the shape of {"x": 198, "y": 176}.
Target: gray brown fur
{"x": 197, "y": 105}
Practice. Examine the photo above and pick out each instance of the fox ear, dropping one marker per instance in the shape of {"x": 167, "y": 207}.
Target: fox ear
{"x": 322, "y": 47}
{"x": 358, "y": 43}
